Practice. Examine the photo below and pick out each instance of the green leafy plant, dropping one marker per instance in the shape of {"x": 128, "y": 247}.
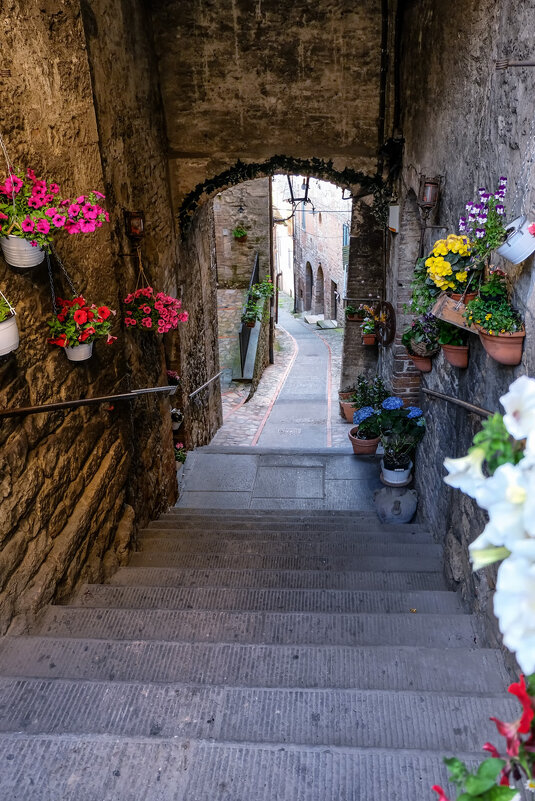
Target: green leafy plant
{"x": 239, "y": 232}
{"x": 264, "y": 289}
{"x": 368, "y": 421}
{"x": 351, "y": 311}
{"x": 369, "y": 392}
{"x": 497, "y": 444}
{"x": 367, "y": 326}
{"x": 424, "y": 290}
{"x": 451, "y": 335}
{"x": 491, "y": 310}
{"x": 252, "y": 312}
{"x": 402, "y": 428}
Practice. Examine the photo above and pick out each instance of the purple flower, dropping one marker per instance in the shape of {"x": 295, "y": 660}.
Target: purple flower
{"x": 392, "y": 403}
{"x": 500, "y": 209}
{"x": 503, "y": 180}
{"x": 469, "y": 206}
{"x": 482, "y": 190}
{"x": 480, "y": 233}
{"x": 462, "y": 224}
{"x": 482, "y": 217}
{"x": 471, "y": 217}
{"x": 363, "y": 414}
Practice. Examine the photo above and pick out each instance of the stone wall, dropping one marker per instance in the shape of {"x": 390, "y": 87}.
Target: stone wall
{"x": 85, "y": 110}
{"x": 455, "y": 102}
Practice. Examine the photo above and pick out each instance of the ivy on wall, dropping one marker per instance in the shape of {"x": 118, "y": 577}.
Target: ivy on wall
{"x": 239, "y": 172}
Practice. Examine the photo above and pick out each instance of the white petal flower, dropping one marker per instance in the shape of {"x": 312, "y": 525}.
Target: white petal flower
{"x": 465, "y": 473}
{"x": 514, "y": 606}
{"x": 519, "y": 405}
{"x": 504, "y": 496}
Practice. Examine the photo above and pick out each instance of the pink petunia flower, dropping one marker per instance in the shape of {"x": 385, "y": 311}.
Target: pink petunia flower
{"x": 54, "y": 189}
{"x": 51, "y": 211}
{"x": 43, "y": 226}
{"x": 86, "y": 227}
{"x": 58, "y": 220}
{"x": 27, "y": 225}
{"x": 74, "y": 210}
{"x": 80, "y": 200}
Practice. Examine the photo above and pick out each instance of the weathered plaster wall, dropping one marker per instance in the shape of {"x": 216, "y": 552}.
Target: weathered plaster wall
{"x": 470, "y": 123}
{"x": 83, "y": 109}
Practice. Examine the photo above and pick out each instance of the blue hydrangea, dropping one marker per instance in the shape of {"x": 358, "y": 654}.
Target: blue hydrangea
{"x": 414, "y": 411}
{"x": 362, "y": 414}
{"x": 392, "y": 403}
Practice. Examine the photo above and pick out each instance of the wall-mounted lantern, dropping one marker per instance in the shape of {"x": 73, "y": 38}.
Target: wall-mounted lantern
{"x": 134, "y": 223}
{"x": 429, "y": 193}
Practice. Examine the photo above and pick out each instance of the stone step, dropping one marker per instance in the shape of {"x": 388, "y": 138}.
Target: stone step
{"x": 286, "y": 514}
{"x": 56, "y": 768}
{"x": 265, "y": 547}
{"x": 232, "y": 522}
{"x": 283, "y": 579}
{"x": 450, "y": 670}
{"x": 335, "y": 538}
{"x": 281, "y": 600}
{"x": 282, "y": 628}
{"x": 350, "y": 718}
{"x": 368, "y": 561}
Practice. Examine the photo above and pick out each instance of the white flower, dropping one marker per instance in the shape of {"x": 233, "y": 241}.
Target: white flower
{"x": 465, "y": 473}
{"x": 514, "y": 606}
{"x": 519, "y": 405}
{"x": 508, "y": 498}
{"x": 529, "y": 784}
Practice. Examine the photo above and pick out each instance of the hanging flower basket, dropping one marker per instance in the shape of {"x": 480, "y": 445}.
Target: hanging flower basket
{"x": 503, "y": 348}
{"x": 77, "y": 325}
{"x": 520, "y": 242}
{"x": 456, "y": 355}
{"x": 147, "y": 310}
{"x": 80, "y": 353}
{"x": 20, "y": 252}
{"x": 9, "y": 332}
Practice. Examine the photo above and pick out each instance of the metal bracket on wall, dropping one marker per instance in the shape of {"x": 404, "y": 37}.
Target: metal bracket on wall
{"x": 5, "y": 73}
{"x": 505, "y": 63}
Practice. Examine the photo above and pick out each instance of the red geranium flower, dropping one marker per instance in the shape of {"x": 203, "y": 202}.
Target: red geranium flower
{"x": 103, "y": 312}
{"x": 61, "y": 341}
{"x": 80, "y": 316}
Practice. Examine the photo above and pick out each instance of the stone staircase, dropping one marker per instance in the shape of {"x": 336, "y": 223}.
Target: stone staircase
{"x": 251, "y": 656}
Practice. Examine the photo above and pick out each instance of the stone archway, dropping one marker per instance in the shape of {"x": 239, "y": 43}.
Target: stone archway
{"x": 319, "y": 295}
{"x": 309, "y": 286}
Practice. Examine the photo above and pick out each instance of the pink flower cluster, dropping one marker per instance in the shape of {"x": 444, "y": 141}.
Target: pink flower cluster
{"x": 36, "y": 211}
{"x": 155, "y": 311}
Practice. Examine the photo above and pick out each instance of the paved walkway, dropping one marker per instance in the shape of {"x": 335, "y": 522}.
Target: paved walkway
{"x": 296, "y": 403}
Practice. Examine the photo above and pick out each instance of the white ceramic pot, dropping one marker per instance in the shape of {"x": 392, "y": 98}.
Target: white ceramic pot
{"x": 396, "y": 478}
{"x": 9, "y": 335}
{"x": 519, "y": 244}
{"x": 20, "y": 253}
{"x": 80, "y": 352}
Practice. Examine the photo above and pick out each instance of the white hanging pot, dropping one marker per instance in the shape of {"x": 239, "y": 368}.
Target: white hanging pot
{"x": 80, "y": 352}
{"x": 396, "y": 478}
{"x": 20, "y": 253}
{"x": 519, "y": 243}
{"x": 9, "y": 335}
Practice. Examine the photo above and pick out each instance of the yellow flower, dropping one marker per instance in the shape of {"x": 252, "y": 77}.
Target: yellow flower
{"x": 491, "y": 331}
{"x": 488, "y": 316}
{"x": 440, "y": 250}
{"x": 461, "y": 276}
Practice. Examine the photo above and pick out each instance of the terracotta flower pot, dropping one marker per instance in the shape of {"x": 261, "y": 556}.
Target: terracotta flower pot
{"x": 362, "y": 447}
{"x": 354, "y": 318}
{"x": 456, "y": 355}
{"x": 348, "y": 410}
{"x": 422, "y": 363}
{"x": 344, "y": 396}
{"x": 467, "y": 298}
{"x": 250, "y": 324}
{"x": 503, "y": 348}
{"x": 368, "y": 339}
{"x": 241, "y": 238}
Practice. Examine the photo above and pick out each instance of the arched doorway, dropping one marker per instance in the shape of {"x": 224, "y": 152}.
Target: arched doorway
{"x": 309, "y": 286}
{"x": 319, "y": 300}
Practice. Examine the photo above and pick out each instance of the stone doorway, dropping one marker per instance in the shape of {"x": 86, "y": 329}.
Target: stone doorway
{"x": 319, "y": 304}
{"x": 309, "y": 286}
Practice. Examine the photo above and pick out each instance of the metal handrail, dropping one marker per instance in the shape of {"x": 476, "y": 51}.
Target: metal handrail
{"x": 458, "y": 402}
{"x": 206, "y": 383}
{"x": 244, "y": 333}
{"x": 72, "y": 404}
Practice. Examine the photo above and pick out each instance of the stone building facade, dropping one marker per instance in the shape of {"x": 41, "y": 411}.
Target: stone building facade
{"x": 321, "y": 249}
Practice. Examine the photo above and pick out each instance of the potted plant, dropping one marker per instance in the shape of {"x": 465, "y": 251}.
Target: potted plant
{"x": 353, "y": 313}
{"x": 451, "y": 268}
{"x": 401, "y": 428}
{"x": 500, "y": 327}
{"x": 77, "y": 325}
{"x": 32, "y": 212}
{"x": 365, "y": 434}
{"x": 421, "y": 341}
{"x": 486, "y": 227}
{"x": 9, "y": 332}
{"x": 264, "y": 289}
{"x": 239, "y": 233}
{"x": 180, "y": 453}
{"x": 177, "y": 418}
{"x": 251, "y": 313}
{"x": 368, "y": 331}
{"x": 147, "y": 310}
{"x": 366, "y": 392}
{"x": 454, "y": 344}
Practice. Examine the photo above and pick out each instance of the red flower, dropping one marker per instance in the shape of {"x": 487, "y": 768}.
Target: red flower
{"x": 86, "y": 334}
{"x": 61, "y": 341}
{"x": 90, "y": 314}
{"x": 79, "y": 300}
{"x": 492, "y": 750}
{"x": 103, "y": 312}
{"x": 510, "y": 732}
{"x": 80, "y": 316}
{"x": 442, "y": 795}
{"x": 519, "y": 689}
{"x": 110, "y": 339}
